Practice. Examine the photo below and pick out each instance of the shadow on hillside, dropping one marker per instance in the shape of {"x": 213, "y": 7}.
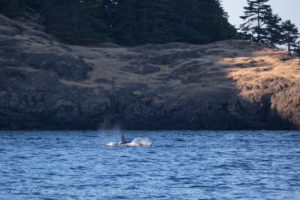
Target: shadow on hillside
{"x": 196, "y": 93}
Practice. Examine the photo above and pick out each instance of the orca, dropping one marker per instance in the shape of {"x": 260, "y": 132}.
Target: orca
{"x": 123, "y": 141}
{"x": 135, "y": 142}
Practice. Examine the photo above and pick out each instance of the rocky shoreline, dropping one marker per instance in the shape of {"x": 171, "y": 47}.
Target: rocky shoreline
{"x": 227, "y": 85}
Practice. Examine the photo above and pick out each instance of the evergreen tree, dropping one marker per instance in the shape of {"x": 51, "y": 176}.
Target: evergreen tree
{"x": 200, "y": 21}
{"x": 139, "y": 21}
{"x": 11, "y": 8}
{"x": 273, "y": 34}
{"x": 216, "y": 21}
{"x": 187, "y": 22}
{"x": 290, "y": 34}
{"x": 32, "y": 4}
{"x": 254, "y": 16}
{"x": 123, "y": 21}
{"x": 130, "y": 22}
{"x": 152, "y": 21}
{"x": 75, "y": 21}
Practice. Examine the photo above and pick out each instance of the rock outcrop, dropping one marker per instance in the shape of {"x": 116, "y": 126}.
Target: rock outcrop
{"x": 224, "y": 85}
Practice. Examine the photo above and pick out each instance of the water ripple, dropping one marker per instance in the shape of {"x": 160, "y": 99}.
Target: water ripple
{"x": 178, "y": 165}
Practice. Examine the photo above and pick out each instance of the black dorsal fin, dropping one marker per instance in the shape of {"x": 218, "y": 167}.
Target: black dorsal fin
{"x": 123, "y": 138}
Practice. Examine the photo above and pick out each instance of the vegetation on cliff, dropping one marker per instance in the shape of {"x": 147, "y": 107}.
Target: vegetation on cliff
{"x": 135, "y": 22}
{"x": 263, "y": 26}
{"x": 128, "y": 22}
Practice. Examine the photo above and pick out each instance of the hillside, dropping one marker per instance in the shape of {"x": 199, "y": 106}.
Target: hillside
{"x": 230, "y": 84}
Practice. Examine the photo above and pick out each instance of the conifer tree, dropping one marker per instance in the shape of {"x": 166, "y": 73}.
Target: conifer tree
{"x": 123, "y": 21}
{"x": 74, "y": 21}
{"x": 290, "y": 34}
{"x": 130, "y": 22}
{"x": 273, "y": 34}
{"x": 200, "y": 21}
{"x": 11, "y": 8}
{"x": 33, "y": 4}
{"x": 254, "y": 16}
{"x": 152, "y": 21}
{"x": 217, "y": 21}
{"x": 188, "y": 22}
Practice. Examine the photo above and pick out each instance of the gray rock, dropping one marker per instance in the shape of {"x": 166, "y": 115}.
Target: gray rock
{"x": 142, "y": 69}
{"x": 65, "y": 66}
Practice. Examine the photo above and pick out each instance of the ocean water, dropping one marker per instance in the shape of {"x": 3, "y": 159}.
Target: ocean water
{"x": 162, "y": 165}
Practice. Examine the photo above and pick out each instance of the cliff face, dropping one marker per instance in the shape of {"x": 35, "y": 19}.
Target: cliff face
{"x": 225, "y": 85}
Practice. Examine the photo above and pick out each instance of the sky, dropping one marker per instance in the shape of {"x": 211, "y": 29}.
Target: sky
{"x": 287, "y": 9}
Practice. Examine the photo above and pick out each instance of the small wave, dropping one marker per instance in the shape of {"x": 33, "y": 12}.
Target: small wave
{"x": 112, "y": 144}
{"x": 140, "y": 141}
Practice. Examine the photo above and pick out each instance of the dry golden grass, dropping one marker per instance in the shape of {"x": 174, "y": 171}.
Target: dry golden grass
{"x": 226, "y": 64}
{"x": 245, "y": 69}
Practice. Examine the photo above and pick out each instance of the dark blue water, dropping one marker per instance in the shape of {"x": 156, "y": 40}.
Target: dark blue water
{"x": 178, "y": 165}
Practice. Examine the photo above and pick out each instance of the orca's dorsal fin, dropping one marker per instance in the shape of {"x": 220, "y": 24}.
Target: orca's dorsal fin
{"x": 123, "y": 138}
